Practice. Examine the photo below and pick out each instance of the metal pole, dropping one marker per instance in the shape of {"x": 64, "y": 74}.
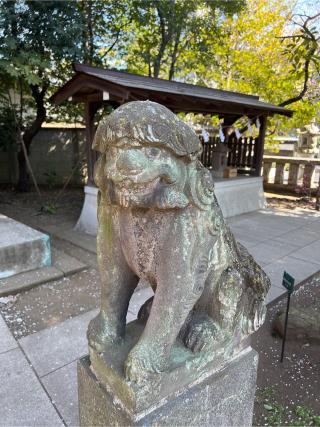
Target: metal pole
{"x": 285, "y": 327}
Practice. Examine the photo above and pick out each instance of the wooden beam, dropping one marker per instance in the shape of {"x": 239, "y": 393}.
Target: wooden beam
{"x": 96, "y": 97}
{"x": 81, "y": 82}
{"x": 92, "y": 97}
{"x": 260, "y": 145}
{"x": 229, "y": 120}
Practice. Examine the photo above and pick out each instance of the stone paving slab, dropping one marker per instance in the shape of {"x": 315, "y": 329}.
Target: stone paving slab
{"x": 59, "y": 345}
{"x": 66, "y": 263}
{"x": 275, "y": 292}
{"x": 271, "y": 250}
{"x": 64, "y": 379}
{"x": 247, "y": 241}
{"x": 310, "y": 253}
{"x": 23, "y": 400}
{"x": 7, "y": 342}
{"x": 299, "y": 237}
{"x": 281, "y": 240}
{"x": 78, "y": 238}
{"x": 299, "y": 269}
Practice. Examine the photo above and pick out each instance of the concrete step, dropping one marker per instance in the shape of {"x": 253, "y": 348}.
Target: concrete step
{"x": 63, "y": 265}
{"x": 21, "y": 248}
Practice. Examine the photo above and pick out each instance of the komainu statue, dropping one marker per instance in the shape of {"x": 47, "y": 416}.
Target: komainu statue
{"x": 159, "y": 221}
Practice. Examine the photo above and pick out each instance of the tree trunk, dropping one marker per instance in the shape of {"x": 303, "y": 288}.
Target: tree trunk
{"x": 174, "y": 56}
{"x": 23, "y": 184}
{"x": 165, "y": 39}
{"x": 28, "y": 135}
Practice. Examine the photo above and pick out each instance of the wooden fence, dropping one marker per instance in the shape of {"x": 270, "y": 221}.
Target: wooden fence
{"x": 242, "y": 153}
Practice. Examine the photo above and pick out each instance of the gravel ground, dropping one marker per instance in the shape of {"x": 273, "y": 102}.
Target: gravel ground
{"x": 51, "y": 303}
{"x": 288, "y": 393}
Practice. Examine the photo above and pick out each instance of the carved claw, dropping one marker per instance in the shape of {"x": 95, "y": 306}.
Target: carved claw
{"x": 100, "y": 333}
{"x": 202, "y": 334}
{"x": 142, "y": 361}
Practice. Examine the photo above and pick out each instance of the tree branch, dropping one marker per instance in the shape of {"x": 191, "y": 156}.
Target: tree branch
{"x": 304, "y": 89}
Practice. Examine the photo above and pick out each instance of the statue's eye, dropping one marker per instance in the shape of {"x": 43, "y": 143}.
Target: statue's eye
{"x": 154, "y": 152}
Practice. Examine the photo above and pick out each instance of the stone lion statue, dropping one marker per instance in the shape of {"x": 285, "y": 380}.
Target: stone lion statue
{"x": 159, "y": 221}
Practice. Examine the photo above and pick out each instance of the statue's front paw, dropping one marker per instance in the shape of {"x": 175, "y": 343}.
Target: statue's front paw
{"x": 143, "y": 361}
{"x": 100, "y": 333}
{"x": 202, "y": 334}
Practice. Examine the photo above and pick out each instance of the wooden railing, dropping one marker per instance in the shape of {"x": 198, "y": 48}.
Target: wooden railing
{"x": 242, "y": 153}
{"x": 207, "y": 151}
{"x": 293, "y": 174}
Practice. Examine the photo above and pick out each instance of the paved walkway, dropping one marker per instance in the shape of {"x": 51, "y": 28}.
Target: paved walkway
{"x": 281, "y": 240}
{"x": 38, "y": 385}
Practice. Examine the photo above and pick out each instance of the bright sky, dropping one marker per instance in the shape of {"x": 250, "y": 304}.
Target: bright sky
{"x": 308, "y": 7}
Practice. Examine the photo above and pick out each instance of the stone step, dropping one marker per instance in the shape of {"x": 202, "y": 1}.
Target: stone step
{"x": 63, "y": 265}
{"x": 22, "y": 248}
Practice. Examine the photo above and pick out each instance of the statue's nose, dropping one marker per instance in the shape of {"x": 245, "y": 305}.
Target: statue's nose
{"x": 130, "y": 163}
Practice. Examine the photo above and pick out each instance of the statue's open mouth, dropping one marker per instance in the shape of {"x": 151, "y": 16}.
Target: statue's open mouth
{"x": 136, "y": 187}
{"x": 130, "y": 193}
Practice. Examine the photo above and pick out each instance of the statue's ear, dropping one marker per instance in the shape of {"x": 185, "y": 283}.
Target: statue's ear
{"x": 201, "y": 187}
{"x": 171, "y": 198}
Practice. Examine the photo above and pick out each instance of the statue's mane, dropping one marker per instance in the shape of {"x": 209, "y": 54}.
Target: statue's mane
{"x": 146, "y": 123}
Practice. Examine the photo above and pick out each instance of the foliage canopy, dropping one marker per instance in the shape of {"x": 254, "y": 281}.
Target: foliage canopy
{"x": 253, "y": 46}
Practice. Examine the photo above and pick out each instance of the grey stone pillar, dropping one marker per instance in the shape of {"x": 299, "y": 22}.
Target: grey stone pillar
{"x": 212, "y": 395}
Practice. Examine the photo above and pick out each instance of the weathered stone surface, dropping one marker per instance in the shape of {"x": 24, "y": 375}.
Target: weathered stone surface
{"x": 159, "y": 221}
{"x": 220, "y": 398}
{"x": 303, "y": 323}
{"x": 21, "y": 248}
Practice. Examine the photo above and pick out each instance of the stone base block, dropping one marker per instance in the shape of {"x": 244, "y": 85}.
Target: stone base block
{"x": 240, "y": 195}
{"x": 21, "y": 248}
{"x": 88, "y": 222}
{"x": 222, "y": 397}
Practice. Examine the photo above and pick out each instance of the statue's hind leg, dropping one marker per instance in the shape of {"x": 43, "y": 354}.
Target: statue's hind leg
{"x": 210, "y": 324}
{"x": 201, "y": 331}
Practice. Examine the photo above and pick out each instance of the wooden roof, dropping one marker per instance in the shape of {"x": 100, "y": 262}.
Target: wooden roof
{"x": 116, "y": 87}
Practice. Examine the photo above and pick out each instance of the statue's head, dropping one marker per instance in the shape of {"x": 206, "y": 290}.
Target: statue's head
{"x": 148, "y": 155}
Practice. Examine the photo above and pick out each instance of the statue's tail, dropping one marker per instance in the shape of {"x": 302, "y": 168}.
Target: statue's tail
{"x": 257, "y": 286}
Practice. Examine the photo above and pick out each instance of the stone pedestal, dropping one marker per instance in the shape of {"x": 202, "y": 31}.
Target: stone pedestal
{"x": 192, "y": 393}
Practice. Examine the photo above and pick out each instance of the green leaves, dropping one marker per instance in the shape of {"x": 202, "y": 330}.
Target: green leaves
{"x": 171, "y": 38}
